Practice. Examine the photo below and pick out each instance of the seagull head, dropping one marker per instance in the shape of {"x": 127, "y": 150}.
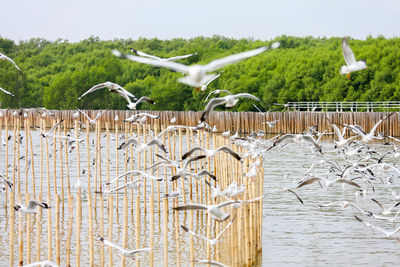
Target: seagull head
{"x": 17, "y": 207}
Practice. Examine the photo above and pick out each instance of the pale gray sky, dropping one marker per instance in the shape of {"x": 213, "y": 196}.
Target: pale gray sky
{"x": 166, "y": 19}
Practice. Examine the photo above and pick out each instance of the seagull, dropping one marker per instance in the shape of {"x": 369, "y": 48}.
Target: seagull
{"x": 5, "y": 182}
{"x": 366, "y": 138}
{"x": 388, "y": 234}
{"x": 6, "y": 58}
{"x": 351, "y": 63}
{"x": 341, "y": 142}
{"x": 214, "y": 210}
{"x": 143, "y": 54}
{"x": 182, "y": 171}
{"x": 133, "y": 105}
{"x": 385, "y": 211}
{"x": 197, "y": 74}
{"x": 213, "y": 241}
{"x": 297, "y": 138}
{"x": 126, "y": 253}
{"x": 138, "y": 116}
{"x": 173, "y": 120}
{"x": 174, "y": 194}
{"x": 204, "y": 86}
{"x": 137, "y": 173}
{"x": 229, "y": 101}
{"x": 226, "y": 134}
{"x": 345, "y": 204}
{"x": 7, "y": 92}
{"x": 139, "y": 147}
{"x": 31, "y": 208}
{"x": 202, "y": 173}
{"x": 211, "y": 152}
{"x": 48, "y": 134}
{"x": 112, "y": 87}
{"x": 270, "y": 124}
{"x": 95, "y": 119}
{"x": 42, "y": 264}
{"x": 218, "y": 91}
{"x": 327, "y": 183}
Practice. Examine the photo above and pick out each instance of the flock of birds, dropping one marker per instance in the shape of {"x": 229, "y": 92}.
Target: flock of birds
{"x": 358, "y": 174}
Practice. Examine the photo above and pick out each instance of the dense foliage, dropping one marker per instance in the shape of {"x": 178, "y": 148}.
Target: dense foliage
{"x": 302, "y": 69}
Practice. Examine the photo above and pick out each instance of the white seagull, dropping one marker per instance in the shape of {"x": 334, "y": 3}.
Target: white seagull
{"x": 351, "y": 63}
{"x": 388, "y": 234}
{"x": 341, "y": 142}
{"x": 229, "y": 101}
{"x": 95, "y": 119}
{"x": 48, "y": 134}
{"x": 112, "y": 87}
{"x": 31, "y": 208}
{"x": 139, "y": 147}
{"x": 213, "y": 241}
{"x": 196, "y": 74}
{"x": 218, "y": 91}
{"x": 125, "y": 252}
{"x": 211, "y": 152}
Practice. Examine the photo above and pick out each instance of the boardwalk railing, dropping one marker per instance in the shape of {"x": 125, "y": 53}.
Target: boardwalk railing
{"x": 343, "y": 106}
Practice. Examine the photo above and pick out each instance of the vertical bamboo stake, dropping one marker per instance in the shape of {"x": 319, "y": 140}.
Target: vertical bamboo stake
{"x": 91, "y": 245}
{"x": 61, "y": 165}
{"x": 165, "y": 212}
{"x": 69, "y": 234}
{"x": 6, "y": 167}
{"x": 12, "y": 228}
{"x": 101, "y": 200}
{"x": 125, "y": 228}
{"x": 88, "y": 155}
{"x": 54, "y": 164}
{"x": 191, "y": 241}
{"x": 178, "y": 246}
{"x": 49, "y": 232}
{"x": 66, "y": 161}
{"x": 58, "y": 240}
{"x": 28, "y": 233}
{"x": 78, "y": 228}
{"x": 32, "y": 164}
{"x": 26, "y": 155}
{"x": 137, "y": 226}
{"x": 110, "y": 225}
{"x": 20, "y": 240}
{"x": 38, "y": 231}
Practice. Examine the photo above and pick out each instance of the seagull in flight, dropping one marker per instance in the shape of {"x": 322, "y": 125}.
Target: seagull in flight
{"x": 6, "y": 58}
{"x": 31, "y": 208}
{"x": 218, "y": 91}
{"x": 327, "y": 183}
{"x": 125, "y": 252}
{"x": 92, "y": 122}
{"x": 112, "y": 87}
{"x": 48, "y": 134}
{"x": 213, "y": 241}
{"x": 341, "y": 142}
{"x": 7, "y": 92}
{"x": 211, "y": 152}
{"x": 388, "y": 234}
{"x": 139, "y": 147}
{"x": 143, "y": 54}
{"x": 197, "y": 74}
{"x": 229, "y": 101}
{"x": 351, "y": 63}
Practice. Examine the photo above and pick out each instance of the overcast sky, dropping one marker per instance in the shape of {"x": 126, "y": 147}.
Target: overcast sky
{"x": 166, "y": 19}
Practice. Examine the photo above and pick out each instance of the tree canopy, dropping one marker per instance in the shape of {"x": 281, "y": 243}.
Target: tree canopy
{"x": 301, "y": 69}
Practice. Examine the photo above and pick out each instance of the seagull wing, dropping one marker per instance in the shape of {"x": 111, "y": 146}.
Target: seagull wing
{"x": 247, "y": 95}
{"x": 379, "y": 122}
{"x": 84, "y": 114}
{"x": 229, "y": 151}
{"x": 378, "y": 203}
{"x": 193, "y": 159}
{"x": 219, "y": 63}
{"x": 297, "y": 196}
{"x": 191, "y": 151}
{"x": 131, "y": 140}
{"x": 55, "y": 126}
{"x": 226, "y": 227}
{"x": 211, "y": 105}
{"x": 158, "y": 143}
{"x": 5, "y": 91}
{"x": 191, "y": 207}
{"x": 348, "y": 54}
{"x": 145, "y": 99}
{"x": 344, "y": 181}
{"x": 166, "y": 64}
{"x": 309, "y": 181}
{"x": 179, "y": 57}
{"x": 100, "y": 114}
{"x": 4, "y": 57}
{"x": 94, "y": 88}
{"x": 143, "y": 54}
{"x": 194, "y": 233}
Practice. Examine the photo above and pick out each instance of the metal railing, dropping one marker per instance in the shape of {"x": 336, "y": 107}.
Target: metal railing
{"x": 343, "y": 106}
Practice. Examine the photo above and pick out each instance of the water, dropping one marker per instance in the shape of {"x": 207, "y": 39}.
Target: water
{"x": 304, "y": 235}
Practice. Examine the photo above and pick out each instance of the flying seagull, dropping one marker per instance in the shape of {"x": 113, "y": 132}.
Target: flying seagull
{"x": 31, "y": 208}
{"x": 125, "y": 252}
{"x": 351, "y": 63}
{"x": 112, "y": 87}
{"x": 197, "y": 74}
{"x": 44, "y": 134}
{"x": 229, "y": 101}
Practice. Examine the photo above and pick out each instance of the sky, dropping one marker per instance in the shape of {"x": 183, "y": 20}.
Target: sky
{"x": 76, "y": 20}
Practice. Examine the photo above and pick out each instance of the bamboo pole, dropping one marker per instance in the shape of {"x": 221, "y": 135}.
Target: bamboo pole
{"x": 165, "y": 213}
{"x": 110, "y": 227}
{"x": 69, "y": 233}
{"x": 91, "y": 244}
{"x": 58, "y": 240}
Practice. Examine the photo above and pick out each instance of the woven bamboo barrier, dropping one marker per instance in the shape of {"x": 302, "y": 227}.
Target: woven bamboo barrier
{"x": 243, "y": 122}
{"x": 132, "y": 218}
